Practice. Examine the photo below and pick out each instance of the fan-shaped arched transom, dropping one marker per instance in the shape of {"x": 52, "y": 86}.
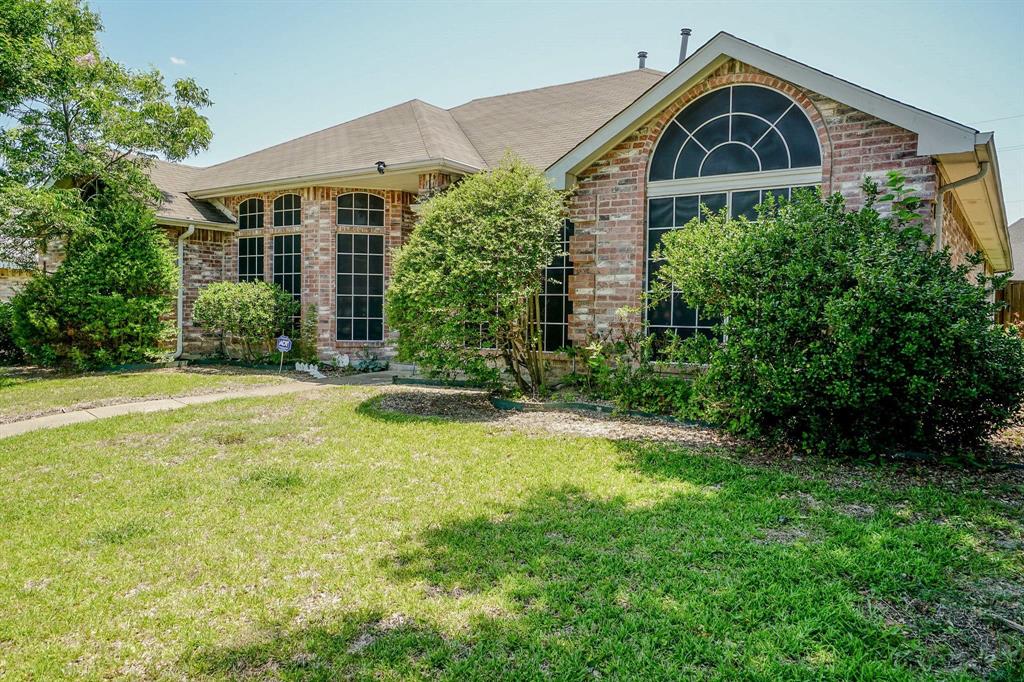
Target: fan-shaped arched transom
{"x": 737, "y": 129}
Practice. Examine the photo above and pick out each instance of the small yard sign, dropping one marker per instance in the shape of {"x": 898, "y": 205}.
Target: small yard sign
{"x": 284, "y": 344}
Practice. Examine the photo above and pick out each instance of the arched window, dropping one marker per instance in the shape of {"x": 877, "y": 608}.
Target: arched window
{"x": 729, "y": 149}
{"x": 287, "y": 210}
{"x": 250, "y": 214}
{"x": 357, "y": 209}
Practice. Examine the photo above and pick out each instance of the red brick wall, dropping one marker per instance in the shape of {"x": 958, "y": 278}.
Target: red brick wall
{"x": 318, "y": 230}
{"x": 609, "y": 207}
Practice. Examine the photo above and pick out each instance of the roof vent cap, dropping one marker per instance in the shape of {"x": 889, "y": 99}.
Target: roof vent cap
{"x": 642, "y": 56}
{"x": 683, "y": 40}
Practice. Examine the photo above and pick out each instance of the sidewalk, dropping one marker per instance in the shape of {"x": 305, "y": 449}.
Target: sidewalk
{"x": 50, "y": 421}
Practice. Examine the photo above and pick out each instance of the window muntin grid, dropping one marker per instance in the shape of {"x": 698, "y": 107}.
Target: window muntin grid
{"x": 287, "y": 210}
{"x": 736, "y": 129}
{"x": 250, "y": 259}
{"x": 250, "y": 214}
{"x": 287, "y": 265}
{"x": 360, "y": 288}
{"x": 360, "y": 209}
{"x": 555, "y": 305}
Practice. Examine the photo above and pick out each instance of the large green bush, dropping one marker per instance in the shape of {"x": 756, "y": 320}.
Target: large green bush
{"x": 107, "y": 303}
{"x": 845, "y": 333}
{"x": 249, "y": 314}
{"x": 473, "y": 269}
{"x": 10, "y": 354}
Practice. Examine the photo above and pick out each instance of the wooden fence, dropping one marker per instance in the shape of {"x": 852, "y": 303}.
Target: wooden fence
{"x": 1013, "y": 294}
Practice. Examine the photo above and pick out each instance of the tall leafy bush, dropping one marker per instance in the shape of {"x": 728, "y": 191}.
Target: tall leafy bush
{"x": 471, "y": 274}
{"x": 845, "y": 333}
{"x": 108, "y": 301}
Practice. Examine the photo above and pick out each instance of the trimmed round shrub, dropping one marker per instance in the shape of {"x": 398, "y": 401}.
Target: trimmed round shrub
{"x": 844, "y": 332}
{"x": 248, "y": 314}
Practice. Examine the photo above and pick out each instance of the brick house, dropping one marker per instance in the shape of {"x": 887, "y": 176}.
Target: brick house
{"x": 322, "y": 214}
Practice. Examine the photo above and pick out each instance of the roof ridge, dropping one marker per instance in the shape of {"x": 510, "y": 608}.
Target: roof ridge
{"x": 430, "y": 143}
{"x": 559, "y": 85}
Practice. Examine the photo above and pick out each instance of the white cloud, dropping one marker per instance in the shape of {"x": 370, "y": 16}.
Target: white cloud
{"x": 177, "y": 60}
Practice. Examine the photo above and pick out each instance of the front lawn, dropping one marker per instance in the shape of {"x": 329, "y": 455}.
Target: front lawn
{"x": 25, "y": 394}
{"x": 319, "y": 536}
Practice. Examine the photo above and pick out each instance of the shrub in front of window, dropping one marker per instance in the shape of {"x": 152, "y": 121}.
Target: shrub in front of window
{"x": 474, "y": 263}
{"x": 623, "y": 366}
{"x": 107, "y": 302}
{"x": 249, "y": 315}
{"x": 845, "y": 333}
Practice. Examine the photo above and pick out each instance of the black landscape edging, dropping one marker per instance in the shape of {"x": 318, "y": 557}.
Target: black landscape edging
{"x": 558, "y": 406}
{"x": 433, "y": 383}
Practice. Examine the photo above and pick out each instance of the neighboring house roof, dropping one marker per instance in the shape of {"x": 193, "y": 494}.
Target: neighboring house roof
{"x": 540, "y": 125}
{"x": 959, "y": 149}
{"x": 1017, "y": 246}
{"x": 173, "y": 179}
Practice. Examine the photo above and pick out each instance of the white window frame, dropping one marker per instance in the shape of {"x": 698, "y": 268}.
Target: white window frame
{"x": 248, "y": 214}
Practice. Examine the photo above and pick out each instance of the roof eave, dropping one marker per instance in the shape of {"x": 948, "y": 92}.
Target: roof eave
{"x": 936, "y": 135}
{"x": 185, "y": 222}
{"x": 343, "y": 177}
{"x": 982, "y": 202}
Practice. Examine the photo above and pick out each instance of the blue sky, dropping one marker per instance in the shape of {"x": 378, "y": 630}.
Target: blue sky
{"x": 277, "y": 70}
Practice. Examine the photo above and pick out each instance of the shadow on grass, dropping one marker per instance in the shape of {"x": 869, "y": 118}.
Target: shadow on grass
{"x": 727, "y": 576}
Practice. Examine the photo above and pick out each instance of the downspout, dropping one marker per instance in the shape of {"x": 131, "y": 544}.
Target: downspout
{"x": 181, "y": 289}
{"x": 940, "y": 205}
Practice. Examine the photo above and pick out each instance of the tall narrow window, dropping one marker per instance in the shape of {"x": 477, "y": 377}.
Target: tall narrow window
{"x": 250, "y": 214}
{"x": 287, "y": 210}
{"x": 729, "y": 149}
{"x": 250, "y": 259}
{"x": 360, "y": 289}
{"x": 288, "y": 265}
{"x": 360, "y": 209}
{"x": 555, "y": 306}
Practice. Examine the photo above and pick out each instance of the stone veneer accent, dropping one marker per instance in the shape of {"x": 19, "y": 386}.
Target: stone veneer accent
{"x": 609, "y": 206}
{"x": 11, "y": 282}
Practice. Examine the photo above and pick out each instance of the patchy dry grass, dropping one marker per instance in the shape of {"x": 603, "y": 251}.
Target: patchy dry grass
{"x": 321, "y": 537}
{"x": 25, "y": 394}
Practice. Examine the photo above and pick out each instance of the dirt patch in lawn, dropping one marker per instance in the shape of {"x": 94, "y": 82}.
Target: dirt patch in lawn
{"x": 978, "y": 627}
{"x": 474, "y": 406}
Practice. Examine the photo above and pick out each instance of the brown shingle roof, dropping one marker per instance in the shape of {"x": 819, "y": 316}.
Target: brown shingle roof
{"x": 173, "y": 179}
{"x": 543, "y": 124}
{"x": 540, "y": 125}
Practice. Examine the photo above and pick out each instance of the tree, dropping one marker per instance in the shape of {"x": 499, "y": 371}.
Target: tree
{"x": 72, "y": 119}
{"x": 106, "y": 304}
{"x": 471, "y": 274}
{"x": 844, "y": 332}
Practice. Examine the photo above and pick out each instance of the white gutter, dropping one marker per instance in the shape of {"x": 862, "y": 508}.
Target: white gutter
{"x": 983, "y": 167}
{"x": 181, "y": 289}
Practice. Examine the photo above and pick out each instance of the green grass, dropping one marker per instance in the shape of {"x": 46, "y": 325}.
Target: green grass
{"x": 28, "y": 394}
{"x": 313, "y": 537}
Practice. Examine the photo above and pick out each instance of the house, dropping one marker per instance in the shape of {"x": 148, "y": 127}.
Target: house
{"x": 644, "y": 150}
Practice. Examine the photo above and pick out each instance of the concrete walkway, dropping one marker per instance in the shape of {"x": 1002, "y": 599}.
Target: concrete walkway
{"x": 50, "y": 421}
